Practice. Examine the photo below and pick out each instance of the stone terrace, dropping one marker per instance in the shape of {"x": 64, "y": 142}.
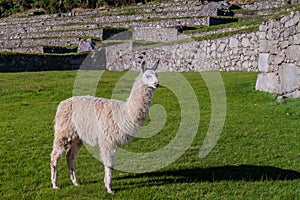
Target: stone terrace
{"x": 30, "y": 34}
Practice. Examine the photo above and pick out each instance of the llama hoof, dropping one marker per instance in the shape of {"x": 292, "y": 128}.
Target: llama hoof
{"x": 55, "y": 188}
{"x": 76, "y": 184}
{"x": 111, "y": 192}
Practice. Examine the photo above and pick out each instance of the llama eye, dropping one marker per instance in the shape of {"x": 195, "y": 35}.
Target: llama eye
{"x": 148, "y": 76}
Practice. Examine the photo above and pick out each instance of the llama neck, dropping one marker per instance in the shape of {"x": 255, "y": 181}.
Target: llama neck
{"x": 139, "y": 101}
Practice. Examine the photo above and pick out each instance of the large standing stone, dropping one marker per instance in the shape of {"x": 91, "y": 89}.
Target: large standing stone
{"x": 293, "y": 53}
{"x": 267, "y": 82}
{"x": 263, "y": 64}
{"x": 289, "y": 77}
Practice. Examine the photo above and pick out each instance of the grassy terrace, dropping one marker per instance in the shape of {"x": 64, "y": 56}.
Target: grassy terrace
{"x": 252, "y": 23}
{"x": 201, "y": 29}
{"x": 256, "y": 157}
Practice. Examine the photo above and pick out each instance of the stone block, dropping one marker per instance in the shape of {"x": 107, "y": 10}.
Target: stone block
{"x": 293, "y": 21}
{"x": 284, "y": 19}
{"x": 263, "y": 28}
{"x": 233, "y": 42}
{"x": 222, "y": 47}
{"x": 284, "y": 44}
{"x": 278, "y": 59}
{"x": 296, "y": 39}
{"x": 290, "y": 77}
{"x": 265, "y": 46}
{"x": 293, "y": 53}
{"x": 289, "y": 32}
{"x": 267, "y": 82}
{"x": 295, "y": 94}
{"x": 263, "y": 62}
{"x": 274, "y": 49}
{"x": 262, "y": 35}
{"x": 245, "y": 42}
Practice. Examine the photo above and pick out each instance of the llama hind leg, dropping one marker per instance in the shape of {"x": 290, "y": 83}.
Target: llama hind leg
{"x": 71, "y": 155}
{"x": 55, "y": 156}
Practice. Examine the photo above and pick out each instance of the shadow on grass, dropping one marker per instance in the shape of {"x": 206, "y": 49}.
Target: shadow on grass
{"x": 248, "y": 173}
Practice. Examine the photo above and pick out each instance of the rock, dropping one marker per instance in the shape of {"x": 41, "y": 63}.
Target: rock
{"x": 85, "y": 45}
{"x": 288, "y": 32}
{"x": 263, "y": 59}
{"x": 281, "y": 99}
{"x": 293, "y": 21}
{"x": 262, "y": 28}
{"x": 233, "y": 42}
{"x": 274, "y": 49}
{"x": 296, "y": 39}
{"x": 270, "y": 34}
{"x": 293, "y": 53}
{"x": 265, "y": 46}
{"x": 245, "y": 65}
{"x": 213, "y": 47}
{"x": 278, "y": 59}
{"x": 295, "y": 94}
{"x": 262, "y": 35}
{"x": 284, "y": 19}
{"x": 289, "y": 77}
{"x": 284, "y": 44}
{"x": 245, "y": 42}
{"x": 222, "y": 47}
{"x": 267, "y": 82}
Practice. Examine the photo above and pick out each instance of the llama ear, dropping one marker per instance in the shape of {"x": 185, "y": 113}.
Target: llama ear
{"x": 143, "y": 67}
{"x": 155, "y": 65}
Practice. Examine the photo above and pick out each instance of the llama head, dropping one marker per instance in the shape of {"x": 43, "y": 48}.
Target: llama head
{"x": 149, "y": 75}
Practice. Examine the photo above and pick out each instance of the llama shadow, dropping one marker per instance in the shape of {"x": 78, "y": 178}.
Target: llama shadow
{"x": 247, "y": 173}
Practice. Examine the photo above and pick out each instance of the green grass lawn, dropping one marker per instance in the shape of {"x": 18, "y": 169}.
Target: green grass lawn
{"x": 257, "y": 155}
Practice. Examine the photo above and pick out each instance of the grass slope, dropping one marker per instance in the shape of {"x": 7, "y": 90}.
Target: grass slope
{"x": 256, "y": 157}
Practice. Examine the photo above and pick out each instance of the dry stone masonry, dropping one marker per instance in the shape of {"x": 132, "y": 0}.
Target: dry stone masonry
{"x": 156, "y": 32}
{"x": 236, "y": 52}
{"x": 279, "y": 56}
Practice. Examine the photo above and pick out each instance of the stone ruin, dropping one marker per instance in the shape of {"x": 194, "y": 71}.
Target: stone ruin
{"x": 273, "y": 50}
{"x": 279, "y": 56}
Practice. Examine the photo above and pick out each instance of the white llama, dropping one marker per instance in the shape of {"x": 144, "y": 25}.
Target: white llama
{"x": 101, "y": 122}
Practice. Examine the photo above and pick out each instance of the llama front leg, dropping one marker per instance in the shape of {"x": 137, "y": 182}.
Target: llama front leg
{"x": 108, "y": 179}
{"x": 107, "y": 156}
{"x": 55, "y": 156}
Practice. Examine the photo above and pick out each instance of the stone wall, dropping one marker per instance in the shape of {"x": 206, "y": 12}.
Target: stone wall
{"x": 237, "y": 52}
{"x": 39, "y": 62}
{"x": 156, "y": 34}
{"x": 279, "y": 56}
{"x": 268, "y": 4}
